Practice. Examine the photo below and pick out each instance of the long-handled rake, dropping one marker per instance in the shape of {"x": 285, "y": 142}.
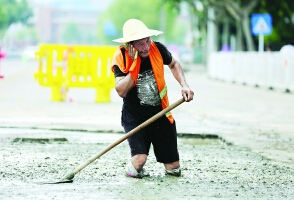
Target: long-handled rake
{"x": 68, "y": 178}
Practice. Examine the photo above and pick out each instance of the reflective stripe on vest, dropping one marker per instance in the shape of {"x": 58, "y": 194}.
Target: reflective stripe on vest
{"x": 168, "y": 114}
{"x": 163, "y": 92}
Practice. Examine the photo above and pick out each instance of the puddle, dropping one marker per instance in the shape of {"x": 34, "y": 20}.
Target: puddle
{"x": 40, "y": 140}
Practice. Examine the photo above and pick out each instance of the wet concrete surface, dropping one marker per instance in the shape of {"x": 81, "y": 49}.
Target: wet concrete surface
{"x": 211, "y": 170}
{"x": 240, "y": 142}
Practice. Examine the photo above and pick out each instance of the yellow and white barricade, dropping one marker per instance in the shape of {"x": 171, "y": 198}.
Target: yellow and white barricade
{"x": 63, "y": 66}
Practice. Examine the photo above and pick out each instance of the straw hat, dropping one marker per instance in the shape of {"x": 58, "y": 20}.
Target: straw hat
{"x": 135, "y": 29}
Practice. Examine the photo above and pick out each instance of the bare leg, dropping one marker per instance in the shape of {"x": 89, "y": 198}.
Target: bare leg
{"x": 135, "y": 167}
{"x": 139, "y": 161}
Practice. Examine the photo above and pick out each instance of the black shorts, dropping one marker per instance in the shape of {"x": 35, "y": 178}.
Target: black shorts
{"x": 161, "y": 134}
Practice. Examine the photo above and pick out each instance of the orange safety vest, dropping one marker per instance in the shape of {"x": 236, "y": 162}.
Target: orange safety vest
{"x": 133, "y": 67}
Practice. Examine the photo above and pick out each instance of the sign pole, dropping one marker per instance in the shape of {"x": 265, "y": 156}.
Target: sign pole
{"x": 261, "y": 24}
{"x": 261, "y": 43}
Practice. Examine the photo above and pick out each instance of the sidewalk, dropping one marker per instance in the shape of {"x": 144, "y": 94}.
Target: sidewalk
{"x": 257, "y": 118}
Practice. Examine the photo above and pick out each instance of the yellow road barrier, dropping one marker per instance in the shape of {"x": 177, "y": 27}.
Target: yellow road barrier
{"x": 81, "y": 66}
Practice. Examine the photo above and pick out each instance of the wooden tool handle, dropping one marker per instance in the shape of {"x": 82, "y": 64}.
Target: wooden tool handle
{"x": 129, "y": 134}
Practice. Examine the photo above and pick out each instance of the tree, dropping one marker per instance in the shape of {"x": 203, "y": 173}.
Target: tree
{"x": 282, "y": 13}
{"x": 12, "y": 11}
{"x": 225, "y": 10}
{"x": 73, "y": 34}
{"x": 152, "y": 12}
{"x": 240, "y": 11}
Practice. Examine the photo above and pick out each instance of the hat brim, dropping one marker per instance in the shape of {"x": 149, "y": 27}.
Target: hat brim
{"x": 139, "y": 36}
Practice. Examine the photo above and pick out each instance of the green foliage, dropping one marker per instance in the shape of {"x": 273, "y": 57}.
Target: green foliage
{"x": 150, "y": 12}
{"x": 12, "y": 11}
{"x": 282, "y": 13}
{"x": 73, "y": 34}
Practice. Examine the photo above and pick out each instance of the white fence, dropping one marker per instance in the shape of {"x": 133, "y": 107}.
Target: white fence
{"x": 264, "y": 69}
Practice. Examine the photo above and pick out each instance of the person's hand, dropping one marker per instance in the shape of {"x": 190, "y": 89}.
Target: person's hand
{"x": 133, "y": 53}
{"x": 187, "y": 93}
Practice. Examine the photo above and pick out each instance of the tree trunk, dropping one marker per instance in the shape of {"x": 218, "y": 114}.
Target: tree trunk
{"x": 225, "y": 34}
{"x": 247, "y": 33}
{"x": 239, "y": 37}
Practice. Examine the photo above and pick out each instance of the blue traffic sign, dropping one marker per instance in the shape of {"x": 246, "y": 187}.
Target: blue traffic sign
{"x": 261, "y": 24}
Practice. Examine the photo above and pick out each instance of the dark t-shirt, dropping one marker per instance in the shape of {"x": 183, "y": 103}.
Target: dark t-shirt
{"x": 143, "y": 100}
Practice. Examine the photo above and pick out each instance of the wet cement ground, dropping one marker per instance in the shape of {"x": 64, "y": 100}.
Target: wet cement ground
{"x": 212, "y": 169}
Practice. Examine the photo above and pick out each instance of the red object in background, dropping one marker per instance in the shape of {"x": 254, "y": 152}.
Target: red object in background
{"x": 2, "y": 55}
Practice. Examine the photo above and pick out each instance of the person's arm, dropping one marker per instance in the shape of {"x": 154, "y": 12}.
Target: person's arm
{"x": 178, "y": 73}
{"x": 123, "y": 85}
